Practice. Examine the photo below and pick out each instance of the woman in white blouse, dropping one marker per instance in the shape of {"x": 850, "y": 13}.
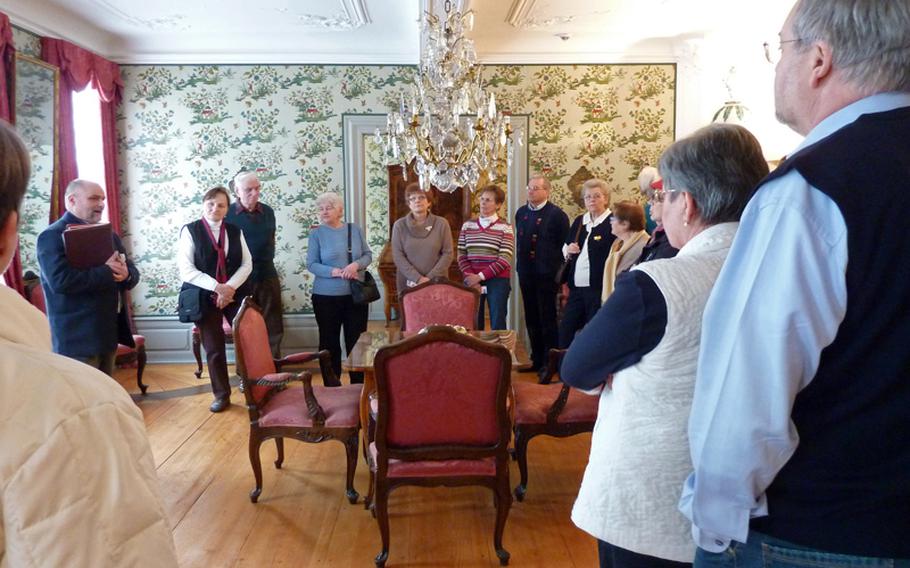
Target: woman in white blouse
{"x": 587, "y": 249}
{"x": 213, "y": 258}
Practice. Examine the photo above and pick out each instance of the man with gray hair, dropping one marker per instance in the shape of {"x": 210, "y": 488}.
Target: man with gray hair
{"x": 86, "y": 306}
{"x": 257, "y": 221}
{"x": 799, "y": 428}
{"x": 540, "y": 231}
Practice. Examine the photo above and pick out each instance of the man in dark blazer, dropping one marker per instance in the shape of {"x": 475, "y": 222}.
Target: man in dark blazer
{"x": 86, "y": 307}
{"x": 540, "y": 231}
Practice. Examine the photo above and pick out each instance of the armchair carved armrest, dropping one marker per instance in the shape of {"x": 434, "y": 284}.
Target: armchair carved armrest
{"x": 329, "y": 378}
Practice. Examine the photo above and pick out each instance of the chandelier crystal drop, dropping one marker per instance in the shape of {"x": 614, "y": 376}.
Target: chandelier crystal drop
{"x": 449, "y": 126}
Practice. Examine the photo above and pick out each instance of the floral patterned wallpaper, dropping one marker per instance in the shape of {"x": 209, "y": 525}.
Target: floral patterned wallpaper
{"x": 26, "y": 42}
{"x": 184, "y": 129}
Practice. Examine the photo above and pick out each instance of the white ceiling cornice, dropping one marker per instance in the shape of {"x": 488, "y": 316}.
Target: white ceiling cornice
{"x": 519, "y": 12}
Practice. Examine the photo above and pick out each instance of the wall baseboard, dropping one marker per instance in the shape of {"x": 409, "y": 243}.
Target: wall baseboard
{"x": 169, "y": 341}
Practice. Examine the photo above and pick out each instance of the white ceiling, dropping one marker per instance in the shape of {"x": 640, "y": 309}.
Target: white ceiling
{"x": 387, "y": 31}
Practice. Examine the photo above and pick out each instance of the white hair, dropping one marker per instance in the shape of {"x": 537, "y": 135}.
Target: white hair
{"x": 330, "y": 198}
{"x": 647, "y": 176}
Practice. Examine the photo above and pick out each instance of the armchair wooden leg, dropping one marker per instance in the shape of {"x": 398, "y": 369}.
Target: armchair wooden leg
{"x": 521, "y": 456}
{"x": 381, "y": 510}
{"x": 141, "y": 359}
{"x": 279, "y": 443}
{"x": 503, "y": 504}
{"x": 350, "y": 448}
{"x": 257, "y": 467}
{"x": 197, "y": 353}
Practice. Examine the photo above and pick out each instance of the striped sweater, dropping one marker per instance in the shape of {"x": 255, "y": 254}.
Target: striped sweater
{"x": 486, "y": 251}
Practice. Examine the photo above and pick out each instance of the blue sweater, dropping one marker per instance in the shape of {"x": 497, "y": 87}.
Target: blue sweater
{"x": 328, "y": 249}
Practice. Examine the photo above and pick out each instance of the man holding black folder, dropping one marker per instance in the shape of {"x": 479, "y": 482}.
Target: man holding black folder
{"x": 85, "y": 306}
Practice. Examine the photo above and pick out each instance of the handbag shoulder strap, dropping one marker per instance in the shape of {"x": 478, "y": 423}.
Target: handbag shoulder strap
{"x": 350, "y": 257}
{"x": 581, "y": 224}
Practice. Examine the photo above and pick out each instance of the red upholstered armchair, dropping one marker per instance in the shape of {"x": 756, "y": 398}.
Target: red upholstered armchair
{"x": 278, "y": 410}
{"x": 439, "y": 301}
{"x": 126, "y": 355}
{"x": 444, "y": 423}
{"x": 551, "y": 409}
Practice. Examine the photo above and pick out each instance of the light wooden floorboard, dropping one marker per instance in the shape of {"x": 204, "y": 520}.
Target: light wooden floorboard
{"x": 303, "y": 518}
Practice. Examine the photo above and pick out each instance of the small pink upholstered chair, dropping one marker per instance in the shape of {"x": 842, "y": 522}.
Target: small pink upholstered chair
{"x": 439, "y": 301}
{"x": 556, "y": 410}
{"x": 441, "y": 424}
{"x": 309, "y": 414}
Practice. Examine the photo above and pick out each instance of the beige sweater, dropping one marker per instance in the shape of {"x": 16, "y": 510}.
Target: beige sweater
{"x": 77, "y": 478}
{"x": 421, "y": 249}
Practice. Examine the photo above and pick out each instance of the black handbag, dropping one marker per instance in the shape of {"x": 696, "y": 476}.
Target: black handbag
{"x": 562, "y": 274}
{"x": 362, "y": 291}
{"x": 190, "y": 304}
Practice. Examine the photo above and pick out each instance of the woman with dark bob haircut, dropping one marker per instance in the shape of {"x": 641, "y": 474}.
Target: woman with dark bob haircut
{"x": 646, "y": 337}
{"x": 213, "y": 258}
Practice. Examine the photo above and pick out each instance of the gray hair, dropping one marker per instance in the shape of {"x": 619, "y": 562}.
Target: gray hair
{"x": 598, "y": 183}
{"x": 719, "y": 166}
{"x": 869, "y": 39}
{"x": 542, "y": 177}
{"x": 330, "y": 198}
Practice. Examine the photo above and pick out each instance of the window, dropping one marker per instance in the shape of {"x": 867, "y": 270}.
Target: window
{"x": 89, "y": 142}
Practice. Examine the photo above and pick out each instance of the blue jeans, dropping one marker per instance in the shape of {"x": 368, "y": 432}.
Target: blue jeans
{"x": 497, "y": 297}
{"x": 763, "y": 551}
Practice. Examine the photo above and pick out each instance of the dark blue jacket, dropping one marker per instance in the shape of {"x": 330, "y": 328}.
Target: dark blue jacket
{"x": 539, "y": 236}
{"x": 82, "y": 303}
{"x": 598, "y": 250}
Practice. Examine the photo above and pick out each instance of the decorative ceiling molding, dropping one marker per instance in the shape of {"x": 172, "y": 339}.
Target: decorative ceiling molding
{"x": 353, "y": 15}
{"x": 170, "y": 22}
{"x": 264, "y": 58}
{"x": 357, "y": 12}
{"x": 520, "y": 16}
{"x": 519, "y": 12}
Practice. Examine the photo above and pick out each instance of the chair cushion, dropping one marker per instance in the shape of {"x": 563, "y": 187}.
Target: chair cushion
{"x": 533, "y": 401}
{"x": 124, "y": 349}
{"x": 484, "y": 467}
{"x": 288, "y": 408}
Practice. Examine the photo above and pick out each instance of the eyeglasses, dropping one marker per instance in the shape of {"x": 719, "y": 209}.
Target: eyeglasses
{"x": 774, "y": 48}
{"x": 417, "y": 197}
{"x": 657, "y": 196}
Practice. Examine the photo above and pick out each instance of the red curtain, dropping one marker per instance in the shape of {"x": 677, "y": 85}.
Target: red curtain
{"x": 13, "y": 274}
{"x": 78, "y": 67}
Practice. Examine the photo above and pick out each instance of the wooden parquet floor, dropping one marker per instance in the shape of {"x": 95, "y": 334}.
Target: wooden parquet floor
{"x": 303, "y": 519}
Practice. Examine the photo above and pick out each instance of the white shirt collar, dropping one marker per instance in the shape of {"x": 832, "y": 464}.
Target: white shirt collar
{"x": 600, "y": 219}
{"x": 215, "y": 227}
{"x": 538, "y": 207}
{"x": 487, "y": 221}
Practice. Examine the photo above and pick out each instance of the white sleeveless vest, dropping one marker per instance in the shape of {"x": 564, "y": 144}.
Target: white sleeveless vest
{"x": 640, "y": 450}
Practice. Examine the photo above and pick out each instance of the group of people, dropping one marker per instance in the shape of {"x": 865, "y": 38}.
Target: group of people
{"x": 754, "y": 387}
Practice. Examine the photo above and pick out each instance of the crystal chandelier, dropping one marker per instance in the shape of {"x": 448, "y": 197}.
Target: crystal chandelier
{"x": 450, "y": 127}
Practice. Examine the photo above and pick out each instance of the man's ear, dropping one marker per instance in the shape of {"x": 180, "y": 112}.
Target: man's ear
{"x": 821, "y": 60}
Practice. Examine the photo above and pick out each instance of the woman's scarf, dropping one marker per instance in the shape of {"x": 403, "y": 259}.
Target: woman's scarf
{"x": 617, "y": 251}
{"x": 221, "y": 275}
